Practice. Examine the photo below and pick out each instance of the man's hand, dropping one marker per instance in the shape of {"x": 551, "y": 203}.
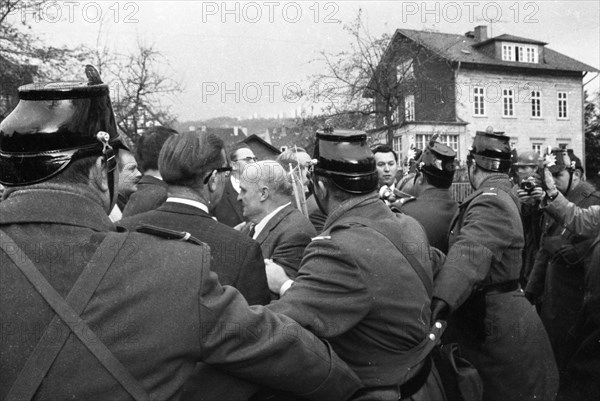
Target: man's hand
{"x": 276, "y": 276}
{"x": 530, "y": 198}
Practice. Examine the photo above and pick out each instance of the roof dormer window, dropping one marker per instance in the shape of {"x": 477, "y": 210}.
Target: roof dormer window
{"x": 521, "y": 53}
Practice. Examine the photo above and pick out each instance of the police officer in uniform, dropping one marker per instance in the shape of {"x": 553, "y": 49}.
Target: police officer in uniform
{"x": 360, "y": 285}
{"x": 89, "y": 313}
{"x": 497, "y": 329}
{"x": 432, "y": 205}
{"x": 557, "y": 278}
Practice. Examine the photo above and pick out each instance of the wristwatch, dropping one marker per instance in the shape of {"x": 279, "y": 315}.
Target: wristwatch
{"x": 554, "y": 192}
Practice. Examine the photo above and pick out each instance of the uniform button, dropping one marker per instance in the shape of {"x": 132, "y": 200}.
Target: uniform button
{"x": 432, "y": 337}
{"x": 438, "y": 325}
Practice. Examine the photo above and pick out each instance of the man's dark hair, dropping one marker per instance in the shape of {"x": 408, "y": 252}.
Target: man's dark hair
{"x": 385, "y": 149}
{"x": 148, "y": 146}
{"x": 186, "y": 158}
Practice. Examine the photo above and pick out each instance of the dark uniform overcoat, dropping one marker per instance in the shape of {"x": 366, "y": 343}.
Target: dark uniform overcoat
{"x": 580, "y": 379}
{"x": 158, "y": 309}
{"x": 434, "y": 209}
{"x": 229, "y": 210}
{"x": 558, "y": 272}
{"x": 356, "y": 289}
{"x": 500, "y": 332}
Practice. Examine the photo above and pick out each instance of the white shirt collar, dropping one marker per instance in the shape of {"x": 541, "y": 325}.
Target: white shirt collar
{"x": 259, "y": 227}
{"x": 189, "y": 202}
{"x": 235, "y": 183}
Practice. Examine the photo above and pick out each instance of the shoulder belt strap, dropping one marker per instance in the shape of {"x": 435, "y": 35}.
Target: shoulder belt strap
{"x": 393, "y": 238}
{"x": 48, "y": 348}
{"x": 168, "y": 234}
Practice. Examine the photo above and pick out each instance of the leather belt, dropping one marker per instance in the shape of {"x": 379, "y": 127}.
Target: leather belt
{"x": 416, "y": 382}
{"x": 501, "y": 288}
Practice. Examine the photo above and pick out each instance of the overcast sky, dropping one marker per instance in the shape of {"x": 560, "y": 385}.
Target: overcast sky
{"x": 226, "y": 53}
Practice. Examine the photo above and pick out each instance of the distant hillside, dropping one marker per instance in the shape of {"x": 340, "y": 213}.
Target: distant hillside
{"x": 255, "y": 126}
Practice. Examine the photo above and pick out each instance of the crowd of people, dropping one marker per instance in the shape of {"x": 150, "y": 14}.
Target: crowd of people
{"x": 180, "y": 269}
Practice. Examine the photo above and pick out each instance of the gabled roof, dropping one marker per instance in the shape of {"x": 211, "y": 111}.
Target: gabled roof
{"x": 464, "y": 49}
{"x": 256, "y": 138}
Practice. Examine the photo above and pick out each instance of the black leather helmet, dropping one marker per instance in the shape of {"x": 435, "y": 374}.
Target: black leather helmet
{"x": 491, "y": 151}
{"x": 438, "y": 160}
{"x": 561, "y": 161}
{"x": 53, "y": 125}
{"x": 344, "y": 157}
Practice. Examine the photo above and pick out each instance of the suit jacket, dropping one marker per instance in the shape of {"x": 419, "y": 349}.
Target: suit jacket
{"x": 151, "y": 193}
{"x": 357, "y": 290}
{"x": 159, "y": 309}
{"x": 237, "y": 259}
{"x": 229, "y": 210}
{"x": 284, "y": 238}
{"x": 434, "y": 209}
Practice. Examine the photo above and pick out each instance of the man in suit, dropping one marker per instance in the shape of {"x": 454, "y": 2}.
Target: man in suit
{"x": 432, "y": 205}
{"x": 355, "y": 286}
{"x": 184, "y": 161}
{"x": 92, "y": 313}
{"x": 298, "y": 158}
{"x": 266, "y": 194}
{"x": 151, "y": 189}
{"x": 129, "y": 177}
{"x": 498, "y": 331}
{"x": 229, "y": 210}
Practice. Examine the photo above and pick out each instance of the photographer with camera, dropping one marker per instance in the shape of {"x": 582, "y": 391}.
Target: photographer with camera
{"x": 530, "y": 193}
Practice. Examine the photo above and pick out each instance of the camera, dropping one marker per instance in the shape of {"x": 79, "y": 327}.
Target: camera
{"x": 528, "y": 184}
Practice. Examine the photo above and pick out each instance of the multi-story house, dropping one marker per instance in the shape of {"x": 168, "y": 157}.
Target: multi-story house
{"x": 455, "y": 85}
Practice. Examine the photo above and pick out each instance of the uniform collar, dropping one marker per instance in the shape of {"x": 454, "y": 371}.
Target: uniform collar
{"x": 353, "y": 202}
{"x": 55, "y": 204}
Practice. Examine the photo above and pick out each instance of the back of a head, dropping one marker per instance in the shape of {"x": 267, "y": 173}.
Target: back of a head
{"x": 491, "y": 151}
{"x": 149, "y": 145}
{"x": 185, "y": 158}
{"x": 290, "y": 156}
{"x": 437, "y": 163}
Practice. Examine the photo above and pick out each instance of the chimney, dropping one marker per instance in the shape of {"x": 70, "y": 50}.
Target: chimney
{"x": 481, "y": 33}
{"x": 469, "y": 34}
{"x": 235, "y": 130}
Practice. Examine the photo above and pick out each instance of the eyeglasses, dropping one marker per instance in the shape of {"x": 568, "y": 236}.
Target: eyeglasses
{"x": 249, "y": 159}
{"x": 226, "y": 170}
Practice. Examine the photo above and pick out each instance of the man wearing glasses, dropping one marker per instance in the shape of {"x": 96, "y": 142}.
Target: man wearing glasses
{"x": 195, "y": 168}
{"x": 229, "y": 210}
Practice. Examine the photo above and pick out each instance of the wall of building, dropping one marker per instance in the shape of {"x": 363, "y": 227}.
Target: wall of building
{"x": 524, "y": 130}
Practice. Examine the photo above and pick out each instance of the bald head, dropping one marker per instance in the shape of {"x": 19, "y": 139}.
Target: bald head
{"x": 264, "y": 186}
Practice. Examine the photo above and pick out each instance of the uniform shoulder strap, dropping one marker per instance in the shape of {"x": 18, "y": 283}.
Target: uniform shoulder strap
{"x": 394, "y": 239}
{"x": 40, "y": 361}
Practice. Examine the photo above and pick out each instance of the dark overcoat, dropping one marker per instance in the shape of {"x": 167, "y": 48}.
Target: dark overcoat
{"x": 558, "y": 272}
{"x": 357, "y": 290}
{"x": 237, "y": 259}
{"x": 514, "y": 359}
{"x": 159, "y": 309}
{"x": 151, "y": 193}
{"x": 434, "y": 208}
{"x": 284, "y": 238}
{"x": 229, "y": 210}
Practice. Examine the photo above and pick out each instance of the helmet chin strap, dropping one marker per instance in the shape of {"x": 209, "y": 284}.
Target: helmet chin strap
{"x": 110, "y": 160}
{"x": 469, "y": 164}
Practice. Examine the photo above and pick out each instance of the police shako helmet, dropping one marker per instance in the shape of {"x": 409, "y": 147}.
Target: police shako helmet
{"x": 54, "y": 124}
{"x": 527, "y": 158}
{"x": 438, "y": 160}
{"x": 491, "y": 151}
{"x": 560, "y": 160}
{"x": 345, "y": 158}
